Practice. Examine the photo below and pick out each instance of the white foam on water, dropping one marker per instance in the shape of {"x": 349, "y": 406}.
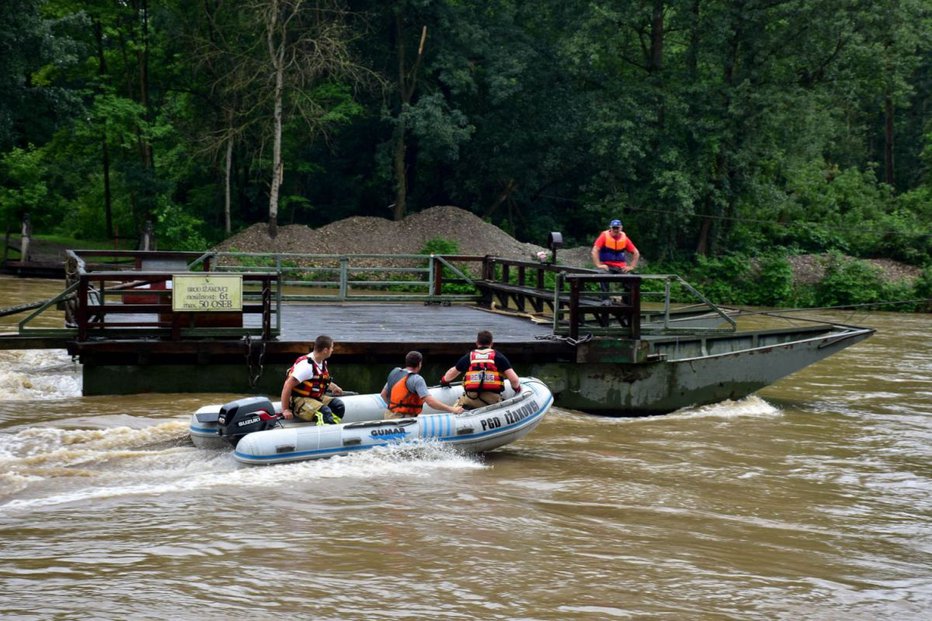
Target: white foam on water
{"x": 38, "y": 374}
{"x": 59, "y": 447}
{"x": 751, "y": 406}
{"x": 748, "y": 407}
{"x": 50, "y": 467}
{"x": 36, "y": 457}
{"x": 422, "y": 459}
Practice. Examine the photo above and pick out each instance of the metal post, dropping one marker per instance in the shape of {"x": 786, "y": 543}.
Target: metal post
{"x": 344, "y": 276}
{"x": 148, "y": 236}
{"x": 266, "y": 309}
{"x": 435, "y": 277}
{"x": 557, "y": 290}
{"x": 25, "y": 239}
{"x": 634, "y": 308}
{"x": 574, "y": 308}
{"x": 82, "y": 307}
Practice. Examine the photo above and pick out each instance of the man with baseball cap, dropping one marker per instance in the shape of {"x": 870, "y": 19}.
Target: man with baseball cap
{"x": 610, "y": 252}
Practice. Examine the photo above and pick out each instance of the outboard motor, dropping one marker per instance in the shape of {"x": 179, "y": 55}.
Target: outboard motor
{"x": 245, "y": 416}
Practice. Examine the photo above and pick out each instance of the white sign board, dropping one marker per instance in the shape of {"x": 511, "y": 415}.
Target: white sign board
{"x": 207, "y": 292}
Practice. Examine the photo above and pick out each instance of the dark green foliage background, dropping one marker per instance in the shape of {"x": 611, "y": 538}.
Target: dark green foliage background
{"x": 728, "y": 135}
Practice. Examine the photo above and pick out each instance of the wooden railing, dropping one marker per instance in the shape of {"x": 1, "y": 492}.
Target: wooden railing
{"x": 356, "y": 277}
{"x": 131, "y": 298}
{"x": 114, "y": 294}
{"x": 570, "y": 296}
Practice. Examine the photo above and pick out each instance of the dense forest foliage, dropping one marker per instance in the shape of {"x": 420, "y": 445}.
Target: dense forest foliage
{"x": 714, "y": 128}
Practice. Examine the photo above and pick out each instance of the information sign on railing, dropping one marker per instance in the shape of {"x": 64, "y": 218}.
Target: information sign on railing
{"x": 208, "y": 292}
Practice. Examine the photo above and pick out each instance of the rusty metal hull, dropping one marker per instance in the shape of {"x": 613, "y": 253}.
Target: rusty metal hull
{"x": 680, "y": 375}
{"x": 605, "y": 376}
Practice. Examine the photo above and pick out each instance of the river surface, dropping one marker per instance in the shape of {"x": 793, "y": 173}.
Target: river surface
{"x": 809, "y": 500}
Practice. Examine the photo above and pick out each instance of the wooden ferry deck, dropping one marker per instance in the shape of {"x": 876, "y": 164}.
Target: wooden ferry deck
{"x": 399, "y": 322}
{"x": 157, "y": 322}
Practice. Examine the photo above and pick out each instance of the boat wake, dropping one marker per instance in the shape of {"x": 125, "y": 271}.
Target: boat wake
{"x": 33, "y": 374}
{"x": 45, "y": 467}
{"x": 748, "y": 407}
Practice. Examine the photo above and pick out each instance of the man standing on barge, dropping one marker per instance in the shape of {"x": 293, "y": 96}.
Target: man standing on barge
{"x": 610, "y": 253}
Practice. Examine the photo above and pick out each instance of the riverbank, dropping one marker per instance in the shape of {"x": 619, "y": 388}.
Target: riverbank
{"x": 808, "y": 273}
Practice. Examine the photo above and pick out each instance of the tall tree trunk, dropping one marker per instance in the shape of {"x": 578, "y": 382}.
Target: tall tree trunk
{"x": 277, "y": 56}
{"x": 226, "y": 186}
{"x": 401, "y": 172}
{"x": 406, "y": 83}
{"x": 142, "y": 198}
{"x": 108, "y": 195}
{"x": 692, "y": 52}
{"x": 143, "y": 64}
{"x": 705, "y": 230}
{"x": 105, "y": 148}
{"x": 888, "y": 141}
{"x": 655, "y": 62}
{"x": 278, "y": 167}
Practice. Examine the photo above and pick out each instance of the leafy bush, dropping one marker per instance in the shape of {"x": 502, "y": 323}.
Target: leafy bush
{"x": 903, "y": 233}
{"x": 177, "y": 230}
{"x": 22, "y": 186}
{"x": 848, "y": 282}
{"x": 923, "y": 291}
{"x": 720, "y": 278}
{"x": 438, "y": 245}
{"x": 773, "y": 283}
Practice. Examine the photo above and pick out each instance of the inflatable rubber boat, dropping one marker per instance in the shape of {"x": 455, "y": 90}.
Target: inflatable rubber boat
{"x": 253, "y": 427}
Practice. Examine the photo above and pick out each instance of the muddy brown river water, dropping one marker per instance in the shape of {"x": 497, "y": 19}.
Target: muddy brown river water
{"x": 809, "y": 500}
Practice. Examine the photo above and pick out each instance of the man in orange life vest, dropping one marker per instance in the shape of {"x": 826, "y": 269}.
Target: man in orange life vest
{"x": 406, "y": 392}
{"x": 307, "y": 381}
{"x": 486, "y": 371}
{"x": 609, "y": 252}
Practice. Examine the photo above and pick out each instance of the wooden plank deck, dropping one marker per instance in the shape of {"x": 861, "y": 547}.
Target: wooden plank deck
{"x": 394, "y": 322}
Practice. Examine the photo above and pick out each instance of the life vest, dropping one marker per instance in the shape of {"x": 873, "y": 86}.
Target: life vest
{"x": 613, "y": 250}
{"x": 483, "y": 375}
{"x": 316, "y": 386}
{"x": 403, "y": 401}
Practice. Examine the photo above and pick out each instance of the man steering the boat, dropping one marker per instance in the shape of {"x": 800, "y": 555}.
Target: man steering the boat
{"x": 304, "y": 394}
{"x": 406, "y": 392}
{"x": 486, "y": 371}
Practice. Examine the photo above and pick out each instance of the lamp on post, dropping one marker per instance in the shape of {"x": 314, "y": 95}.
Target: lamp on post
{"x": 554, "y": 241}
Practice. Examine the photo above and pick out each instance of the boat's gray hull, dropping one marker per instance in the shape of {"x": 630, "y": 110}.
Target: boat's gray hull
{"x": 473, "y": 431}
{"x": 669, "y": 382}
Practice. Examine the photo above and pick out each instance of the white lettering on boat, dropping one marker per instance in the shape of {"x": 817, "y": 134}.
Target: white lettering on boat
{"x": 248, "y": 421}
{"x": 392, "y": 431}
{"x": 493, "y": 422}
{"x": 522, "y": 412}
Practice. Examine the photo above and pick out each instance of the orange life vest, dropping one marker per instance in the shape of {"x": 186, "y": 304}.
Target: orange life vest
{"x": 613, "y": 250}
{"x": 316, "y": 386}
{"x": 403, "y": 401}
{"x": 483, "y": 375}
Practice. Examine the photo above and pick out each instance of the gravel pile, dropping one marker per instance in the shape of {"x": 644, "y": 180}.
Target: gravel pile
{"x": 368, "y": 235}
{"x": 473, "y": 236}
{"x": 809, "y": 269}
